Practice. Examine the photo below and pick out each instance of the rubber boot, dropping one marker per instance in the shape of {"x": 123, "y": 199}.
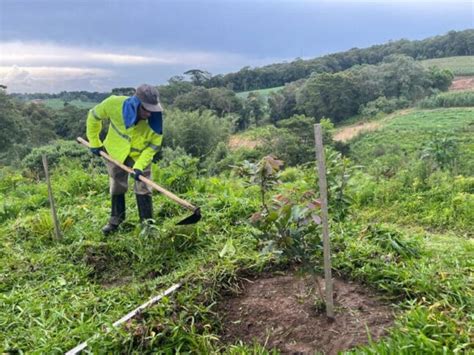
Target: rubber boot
{"x": 145, "y": 207}
{"x": 117, "y": 214}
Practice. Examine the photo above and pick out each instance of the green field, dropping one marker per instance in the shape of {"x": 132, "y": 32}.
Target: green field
{"x": 458, "y": 65}
{"x": 58, "y": 103}
{"x": 412, "y": 154}
{"x": 407, "y": 235}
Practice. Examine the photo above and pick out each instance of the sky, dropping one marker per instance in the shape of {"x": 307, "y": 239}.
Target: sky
{"x": 96, "y": 45}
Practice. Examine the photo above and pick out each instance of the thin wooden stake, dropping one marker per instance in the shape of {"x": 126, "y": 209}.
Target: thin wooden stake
{"x": 126, "y": 317}
{"x": 318, "y": 138}
{"x": 57, "y": 231}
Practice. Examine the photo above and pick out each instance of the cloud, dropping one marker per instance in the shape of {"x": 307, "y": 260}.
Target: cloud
{"x": 48, "y": 54}
{"x": 50, "y": 67}
{"x": 39, "y": 79}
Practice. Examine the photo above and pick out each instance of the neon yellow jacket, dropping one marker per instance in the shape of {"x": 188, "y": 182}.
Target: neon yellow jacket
{"x": 139, "y": 141}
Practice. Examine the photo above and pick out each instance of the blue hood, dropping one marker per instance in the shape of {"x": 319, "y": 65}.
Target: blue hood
{"x": 156, "y": 122}
{"x": 129, "y": 112}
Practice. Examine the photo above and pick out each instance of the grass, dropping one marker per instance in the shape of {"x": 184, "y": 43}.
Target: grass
{"x": 56, "y": 294}
{"x": 264, "y": 92}
{"x": 399, "y": 182}
{"x": 460, "y": 66}
{"x": 58, "y": 103}
{"x": 405, "y": 135}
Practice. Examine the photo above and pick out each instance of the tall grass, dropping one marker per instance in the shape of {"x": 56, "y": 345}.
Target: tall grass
{"x": 449, "y": 99}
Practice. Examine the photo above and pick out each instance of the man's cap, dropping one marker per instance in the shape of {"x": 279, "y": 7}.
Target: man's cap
{"x": 149, "y": 98}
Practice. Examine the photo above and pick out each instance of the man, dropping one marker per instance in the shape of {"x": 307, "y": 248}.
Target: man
{"x": 133, "y": 138}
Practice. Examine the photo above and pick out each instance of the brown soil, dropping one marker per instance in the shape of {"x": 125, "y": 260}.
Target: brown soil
{"x": 462, "y": 83}
{"x": 282, "y": 312}
{"x": 350, "y": 132}
{"x": 236, "y": 142}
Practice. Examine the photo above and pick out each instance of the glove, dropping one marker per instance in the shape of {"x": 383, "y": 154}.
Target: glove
{"x": 96, "y": 151}
{"x": 157, "y": 157}
{"x": 137, "y": 174}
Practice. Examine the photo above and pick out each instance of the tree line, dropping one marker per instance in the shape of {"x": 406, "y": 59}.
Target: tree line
{"x": 63, "y": 95}
{"x": 393, "y": 82}
{"x": 397, "y": 81}
{"x": 454, "y": 43}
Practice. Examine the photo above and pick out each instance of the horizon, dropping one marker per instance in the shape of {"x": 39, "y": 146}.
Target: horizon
{"x": 83, "y": 46}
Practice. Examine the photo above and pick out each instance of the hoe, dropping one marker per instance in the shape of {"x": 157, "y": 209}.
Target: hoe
{"x": 194, "y": 218}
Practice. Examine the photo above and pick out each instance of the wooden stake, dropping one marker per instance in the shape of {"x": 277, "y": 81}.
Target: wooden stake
{"x": 125, "y": 318}
{"x": 318, "y": 138}
{"x": 57, "y": 231}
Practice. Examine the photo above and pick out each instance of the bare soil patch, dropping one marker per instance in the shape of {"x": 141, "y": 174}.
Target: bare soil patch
{"x": 240, "y": 142}
{"x": 284, "y": 312}
{"x": 462, "y": 83}
{"x": 351, "y": 131}
{"x": 348, "y": 132}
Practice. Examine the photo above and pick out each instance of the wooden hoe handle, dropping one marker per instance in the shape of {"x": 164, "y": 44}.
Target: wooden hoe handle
{"x": 149, "y": 182}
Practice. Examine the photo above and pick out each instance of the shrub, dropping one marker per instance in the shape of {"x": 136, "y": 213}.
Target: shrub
{"x": 177, "y": 171}
{"x": 197, "y": 133}
{"x": 54, "y": 152}
{"x": 382, "y": 104}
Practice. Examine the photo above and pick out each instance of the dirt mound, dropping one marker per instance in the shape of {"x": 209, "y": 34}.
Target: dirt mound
{"x": 286, "y": 312}
{"x": 462, "y": 83}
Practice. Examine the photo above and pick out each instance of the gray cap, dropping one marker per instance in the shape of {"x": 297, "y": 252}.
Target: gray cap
{"x": 149, "y": 98}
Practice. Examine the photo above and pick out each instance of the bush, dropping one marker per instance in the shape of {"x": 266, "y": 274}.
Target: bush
{"x": 54, "y": 152}
{"x": 177, "y": 171}
{"x": 197, "y": 133}
{"x": 382, "y": 104}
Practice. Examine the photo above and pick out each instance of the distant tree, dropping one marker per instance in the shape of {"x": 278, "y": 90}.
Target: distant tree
{"x": 124, "y": 91}
{"x": 70, "y": 122}
{"x": 40, "y": 121}
{"x": 221, "y": 101}
{"x": 199, "y": 98}
{"x": 23, "y": 127}
{"x": 276, "y": 105}
{"x": 329, "y": 95}
{"x": 216, "y": 81}
{"x": 254, "y": 108}
{"x": 224, "y": 101}
{"x": 198, "y": 77}
{"x": 441, "y": 79}
{"x": 176, "y": 86}
{"x": 282, "y": 104}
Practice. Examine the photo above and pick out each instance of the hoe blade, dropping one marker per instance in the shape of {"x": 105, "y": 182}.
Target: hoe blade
{"x": 194, "y": 218}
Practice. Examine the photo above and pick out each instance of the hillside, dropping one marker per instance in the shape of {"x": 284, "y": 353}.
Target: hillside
{"x": 248, "y": 277}
{"x": 460, "y": 66}
{"x": 401, "y": 225}
{"x": 59, "y": 103}
{"x": 454, "y": 43}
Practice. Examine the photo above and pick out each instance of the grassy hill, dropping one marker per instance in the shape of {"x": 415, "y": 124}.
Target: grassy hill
{"x": 460, "y": 66}
{"x": 412, "y": 154}
{"x": 406, "y": 237}
{"x": 264, "y": 92}
{"x": 58, "y": 103}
